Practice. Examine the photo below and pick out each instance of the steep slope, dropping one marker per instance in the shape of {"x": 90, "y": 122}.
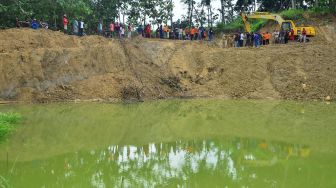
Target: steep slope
{"x": 42, "y": 66}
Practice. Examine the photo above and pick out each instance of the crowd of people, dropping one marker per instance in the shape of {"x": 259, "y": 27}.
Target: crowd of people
{"x": 258, "y": 39}
{"x": 200, "y": 33}
{"x": 34, "y": 24}
{"x": 119, "y": 30}
{"x": 188, "y": 33}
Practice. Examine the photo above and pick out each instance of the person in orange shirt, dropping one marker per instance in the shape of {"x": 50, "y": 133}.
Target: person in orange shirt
{"x": 192, "y": 33}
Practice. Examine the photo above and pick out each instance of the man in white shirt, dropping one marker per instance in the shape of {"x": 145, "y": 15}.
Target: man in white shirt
{"x": 81, "y": 28}
{"x": 242, "y": 37}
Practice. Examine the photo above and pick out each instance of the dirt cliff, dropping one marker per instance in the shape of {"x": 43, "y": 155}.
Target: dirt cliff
{"x": 43, "y": 66}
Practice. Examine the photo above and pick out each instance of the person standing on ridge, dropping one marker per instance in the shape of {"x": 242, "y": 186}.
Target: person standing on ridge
{"x": 65, "y": 23}
{"x": 241, "y": 39}
{"x": 196, "y": 32}
{"x": 17, "y": 23}
{"x": 34, "y": 24}
{"x": 122, "y": 31}
{"x": 186, "y": 30}
{"x": 180, "y": 33}
{"x": 161, "y": 31}
{"x": 81, "y": 28}
{"x": 286, "y": 36}
{"x": 256, "y": 40}
{"x": 236, "y": 39}
{"x": 192, "y": 33}
{"x": 199, "y": 33}
{"x": 211, "y": 33}
{"x": 111, "y": 27}
{"x": 304, "y": 35}
{"x": 292, "y": 36}
{"x": 129, "y": 30}
{"x": 118, "y": 29}
{"x": 75, "y": 27}
{"x": 267, "y": 38}
{"x": 248, "y": 39}
{"x": 100, "y": 27}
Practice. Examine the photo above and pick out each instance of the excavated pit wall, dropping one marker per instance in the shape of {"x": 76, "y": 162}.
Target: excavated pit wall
{"x": 43, "y": 66}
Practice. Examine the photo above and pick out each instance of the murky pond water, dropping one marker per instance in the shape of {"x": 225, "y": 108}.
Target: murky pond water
{"x": 192, "y": 143}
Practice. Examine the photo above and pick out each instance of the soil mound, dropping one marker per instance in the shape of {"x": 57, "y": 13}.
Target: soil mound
{"x": 42, "y": 66}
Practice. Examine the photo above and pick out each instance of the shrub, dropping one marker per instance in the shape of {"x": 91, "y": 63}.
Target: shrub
{"x": 293, "y": 14}
{"x": 7, "y": 122}
{"x": 320, "y": 11}
{"x": 234, "y": 26}
{"x": 258, "y": 24}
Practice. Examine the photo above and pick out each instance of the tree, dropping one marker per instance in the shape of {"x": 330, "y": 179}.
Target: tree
{"x": 190, "y": 4}
{"x": 244, "y": 5}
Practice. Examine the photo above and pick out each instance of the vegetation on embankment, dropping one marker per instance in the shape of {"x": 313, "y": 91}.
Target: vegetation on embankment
{"x": 297, "y": 15}
{"x": 8, "y": 122}
{"x": 237, "y": 25}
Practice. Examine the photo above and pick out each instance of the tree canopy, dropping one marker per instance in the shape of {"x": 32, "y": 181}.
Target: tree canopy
{"x": 197, "y": 12}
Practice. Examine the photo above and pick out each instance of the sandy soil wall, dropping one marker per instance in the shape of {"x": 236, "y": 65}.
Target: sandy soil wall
{"x": 43, "y": 66}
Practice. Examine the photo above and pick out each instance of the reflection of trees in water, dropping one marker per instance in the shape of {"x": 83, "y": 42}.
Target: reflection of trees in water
{"x": 177, "y": 163}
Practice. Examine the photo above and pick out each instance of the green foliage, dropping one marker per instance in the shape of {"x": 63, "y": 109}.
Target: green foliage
{"x": 293, "y": 14}
{"x": 234, "y": 26}
{"x": 90, "y": 11}
{"x": 256, "y": 25}
{"x": 237, "y": 25}
{"x": 7, "y": 122}
{"x": 321, "y": 11}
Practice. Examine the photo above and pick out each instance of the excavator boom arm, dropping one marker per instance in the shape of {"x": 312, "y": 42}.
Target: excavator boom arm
{"x": 260, "y": 15}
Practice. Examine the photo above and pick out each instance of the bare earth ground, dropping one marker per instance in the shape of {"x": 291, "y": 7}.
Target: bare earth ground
{"x": 43, "y": 66}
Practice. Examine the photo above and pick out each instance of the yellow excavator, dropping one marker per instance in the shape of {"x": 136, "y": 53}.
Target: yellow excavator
{"x": 284, "y": 24}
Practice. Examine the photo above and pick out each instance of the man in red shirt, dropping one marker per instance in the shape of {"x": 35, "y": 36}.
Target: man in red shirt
{"x": 65, "y": 23}
{"x": 304, "y": 35}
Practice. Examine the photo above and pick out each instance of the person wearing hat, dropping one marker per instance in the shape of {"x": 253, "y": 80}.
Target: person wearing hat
{"x": 65, "y": 23}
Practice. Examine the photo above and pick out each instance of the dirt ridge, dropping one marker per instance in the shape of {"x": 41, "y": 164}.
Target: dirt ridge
{"x": 44, "y": 66}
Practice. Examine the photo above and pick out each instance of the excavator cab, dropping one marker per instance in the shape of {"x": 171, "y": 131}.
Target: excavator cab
{"x": 287, "y": 26}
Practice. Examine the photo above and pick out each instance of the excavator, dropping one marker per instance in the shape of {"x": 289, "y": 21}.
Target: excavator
{"x": 284, "y": 24}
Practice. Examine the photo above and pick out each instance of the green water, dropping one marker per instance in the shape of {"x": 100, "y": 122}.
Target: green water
{"x": 192, "y": 143}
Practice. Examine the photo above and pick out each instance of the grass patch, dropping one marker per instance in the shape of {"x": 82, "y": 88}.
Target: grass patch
{"x": 3, "y": 182}
{"x": 293, "y": 14}
{"x": 234, "y": 26}
{"x": 237, "y": 25}
{"x": 257, "y": 24}
{"x": 320, "y": 11}
{"x": 7, "y": 123}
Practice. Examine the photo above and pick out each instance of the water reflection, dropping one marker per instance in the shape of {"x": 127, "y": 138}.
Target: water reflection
{"x": 57, "y": 145}
{"x": 183, "y": 163}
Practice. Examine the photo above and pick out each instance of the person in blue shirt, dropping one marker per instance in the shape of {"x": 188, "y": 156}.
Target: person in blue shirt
{"x": 140, "y": 30}
{"x": 34, "y": 24}
{"x": 256, "y": 40}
